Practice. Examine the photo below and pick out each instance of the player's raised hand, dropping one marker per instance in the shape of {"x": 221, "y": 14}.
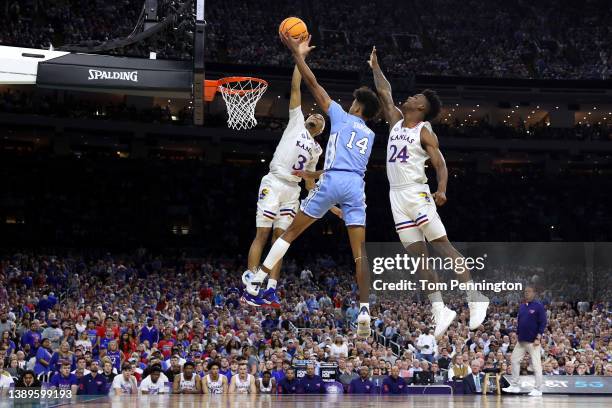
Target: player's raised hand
{"x": 439, "y": 198}
{"x": 373, "y": 62}
{"x": 297, "y": 46}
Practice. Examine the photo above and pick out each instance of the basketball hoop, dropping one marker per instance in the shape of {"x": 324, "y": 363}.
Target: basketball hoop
{"x": 240, "y": 95}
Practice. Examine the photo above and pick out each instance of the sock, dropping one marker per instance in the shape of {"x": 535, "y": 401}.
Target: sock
{"x": 472, "y": 295}
{"x": 366, "y": 305}
{"x": 436, "y": 299}
{"x": 271, "y": 283}
{"x": 278, "y": 250}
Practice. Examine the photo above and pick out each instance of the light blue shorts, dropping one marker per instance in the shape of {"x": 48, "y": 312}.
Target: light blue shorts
{"x": 347, "y": 189}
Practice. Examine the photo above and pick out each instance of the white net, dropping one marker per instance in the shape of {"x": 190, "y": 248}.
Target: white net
{"x": 241, "y": 96}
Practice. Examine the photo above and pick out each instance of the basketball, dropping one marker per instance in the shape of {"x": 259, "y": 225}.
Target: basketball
{"x": 295, "y": 27}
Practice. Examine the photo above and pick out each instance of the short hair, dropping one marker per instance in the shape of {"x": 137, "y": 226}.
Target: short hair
{"x": 435, "y": 104}
{"x": 212, "y": 364}
{"x": 368, "y": 100}
{"x": 189, "y": 364}
{"x": 156, "y": 369}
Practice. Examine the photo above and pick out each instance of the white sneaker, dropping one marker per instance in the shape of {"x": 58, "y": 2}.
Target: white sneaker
{"x": 513, "y": 389}
{"x": 478, "y": 311}
{"x": 535, "y": 393}
{"x": 442, "y": 317}
{"x": 363, "y": 323}
{"x": 254, "y": 281}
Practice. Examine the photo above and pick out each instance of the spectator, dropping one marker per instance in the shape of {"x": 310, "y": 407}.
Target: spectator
{"x": 289, "y": 384}
{"x": 363, "y": 384}
{"x": 64, "y": 380}
{"x": 155, "y": 383}
{"x": 426, "y": 344}
{"x": 393, "y": 383}
{"x": 93, "y": 383}
{"x": 310, "y": 383}
{"x": 339, "y": 348}
{"x": 28, "y": 380}
{"x": 458, "y": 370}
{"x": 472, "y": 383}
{"x": 6, "y": 380}
{"x": 125, "y": 383}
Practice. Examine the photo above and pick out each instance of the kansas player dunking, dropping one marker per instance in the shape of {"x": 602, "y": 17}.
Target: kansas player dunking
{"x": 411, "y": 143}
{"x": 341, "y": 181}
{"x": 279, "y": 191}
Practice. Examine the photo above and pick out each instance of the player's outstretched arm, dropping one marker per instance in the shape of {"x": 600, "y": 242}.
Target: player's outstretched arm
{"x": 300, "y": 50}
{"x": 430, "y": 143}
{"x": 383, "y": 87}
{"x": 296, "y": 94}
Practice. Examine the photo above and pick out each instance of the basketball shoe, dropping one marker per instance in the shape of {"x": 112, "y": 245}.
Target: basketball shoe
{"x": 442, "y": 317}
{"x": 271, "y": 298}
{"x": 478, "y": 306}
{"x": 253, "y": 282}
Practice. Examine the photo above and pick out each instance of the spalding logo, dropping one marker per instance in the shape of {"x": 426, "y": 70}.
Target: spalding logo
{"x": 117, "y": 75}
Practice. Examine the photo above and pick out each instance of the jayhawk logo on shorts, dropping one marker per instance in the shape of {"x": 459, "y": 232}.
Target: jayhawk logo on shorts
{"x": 264, "y": 192}
{"x": 425, "y": 196}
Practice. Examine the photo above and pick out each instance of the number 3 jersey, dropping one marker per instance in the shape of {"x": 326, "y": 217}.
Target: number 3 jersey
{"x": 297, "y": 150}
{"x": 405, "y": 155}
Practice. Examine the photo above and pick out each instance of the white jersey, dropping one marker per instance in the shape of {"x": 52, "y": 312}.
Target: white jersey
{"x": 214, "y": 387}
{"x": 243, "y": 387}
{"x": 263, "y": 389}
{"x": 185, "y": 384}
{"x": 297, "y": 150}
{"x": 405, "y": 156}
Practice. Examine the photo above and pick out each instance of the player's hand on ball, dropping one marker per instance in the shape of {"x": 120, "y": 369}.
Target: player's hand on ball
{"x": 373, "y": 62}
{"x": 296, "y": 46}
{"x": 439, "y": 198}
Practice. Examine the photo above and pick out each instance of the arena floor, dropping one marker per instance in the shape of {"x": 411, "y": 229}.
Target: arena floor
{"x": 338, "y": 401}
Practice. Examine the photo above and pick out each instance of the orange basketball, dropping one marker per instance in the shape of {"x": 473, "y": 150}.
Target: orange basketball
{"x": 295, "y": 27}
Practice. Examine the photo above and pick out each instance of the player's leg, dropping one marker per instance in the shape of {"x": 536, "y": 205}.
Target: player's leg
{"x": 257, "y": 246}
{"x": 319, "y": 201}
{"x": 477, "y": 302}
{"x": 269, "y": 295}
{"x": 289, "y": 205}
{"x": 354, "y": 213}
{"x": 413, "y": 239}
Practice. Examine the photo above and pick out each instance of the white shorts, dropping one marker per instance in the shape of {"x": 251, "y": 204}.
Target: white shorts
{"x": 415, "y": 214}
{"x": 277, "y": 203}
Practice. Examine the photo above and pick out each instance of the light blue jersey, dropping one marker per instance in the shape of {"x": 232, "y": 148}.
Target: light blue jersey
{"x": 346, "y": 159}
{"x": 350, "y": 142}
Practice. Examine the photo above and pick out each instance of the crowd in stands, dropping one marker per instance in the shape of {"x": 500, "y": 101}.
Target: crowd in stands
{"x": 519, "y": 39}
{"x": 149, "y": 202}
{"x": 70, "y": 321}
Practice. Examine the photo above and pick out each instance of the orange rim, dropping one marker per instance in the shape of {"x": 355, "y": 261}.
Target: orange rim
{"x": 211, "y": 86}
{"x": 228, "y": 80}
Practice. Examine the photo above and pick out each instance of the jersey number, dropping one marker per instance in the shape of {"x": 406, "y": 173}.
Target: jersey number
{"x": 402, "y": 155}
{"x": 361, "y": 143}
{"x": 300, "y": 163}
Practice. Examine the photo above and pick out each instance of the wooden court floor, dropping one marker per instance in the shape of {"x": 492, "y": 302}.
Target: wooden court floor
{"x": 330, "y": 401}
